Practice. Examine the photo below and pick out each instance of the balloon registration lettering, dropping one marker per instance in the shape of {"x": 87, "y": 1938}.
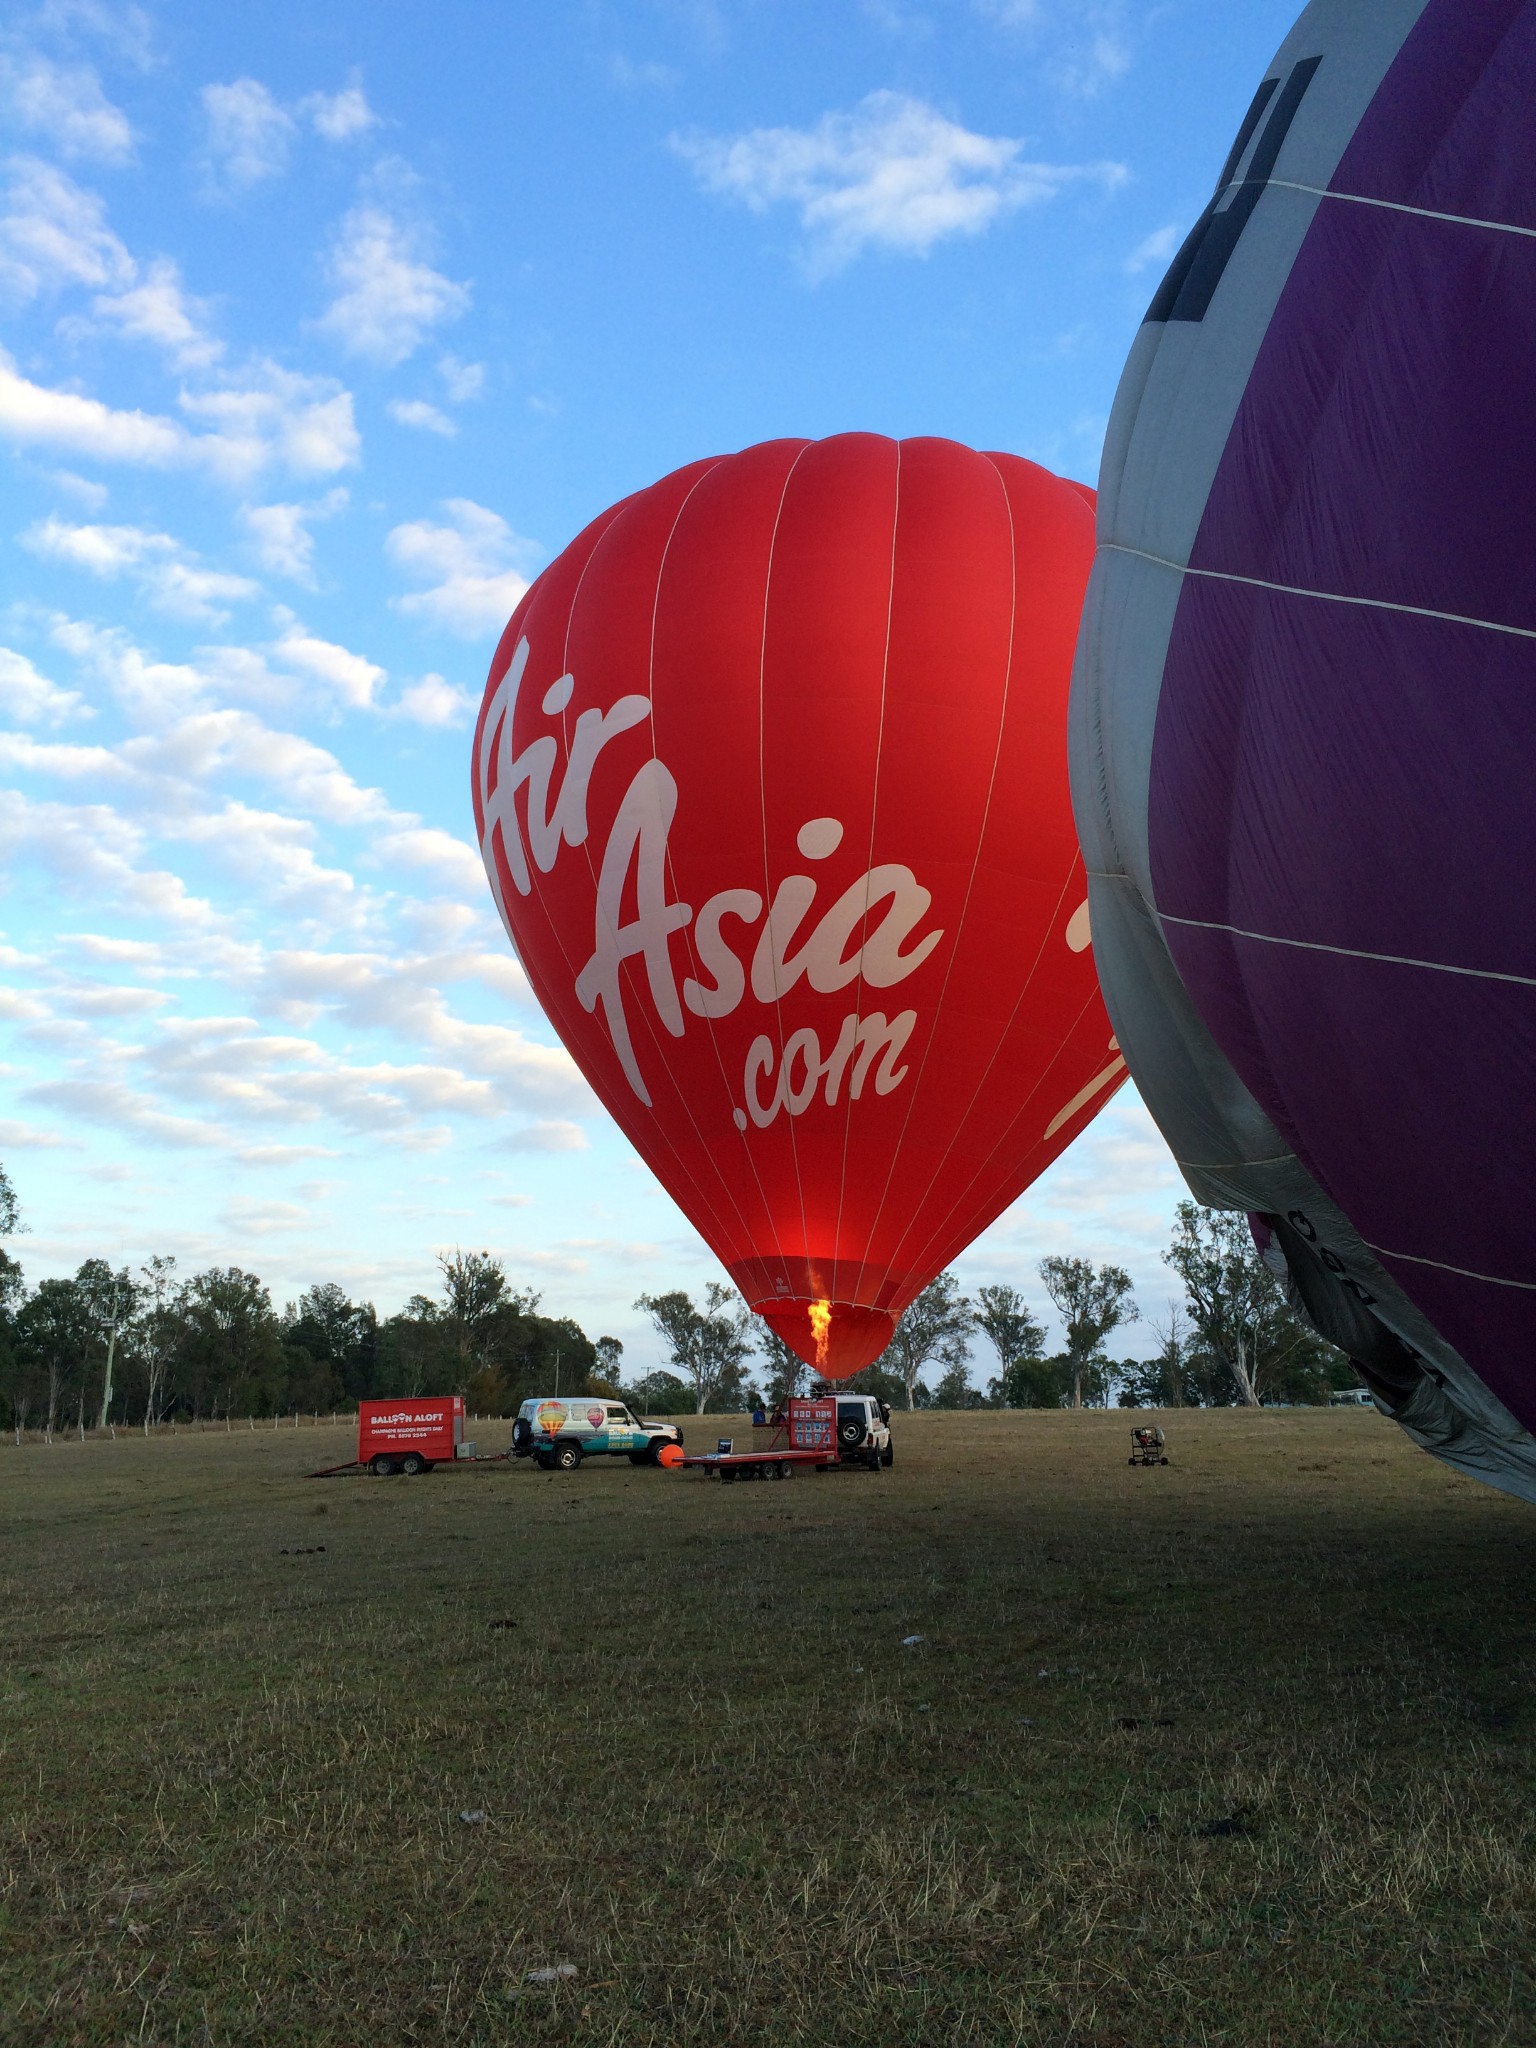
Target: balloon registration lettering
{"x": 869, "y": 934}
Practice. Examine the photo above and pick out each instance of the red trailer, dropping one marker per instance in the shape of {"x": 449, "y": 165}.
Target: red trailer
{"x": 411, "y": 1435}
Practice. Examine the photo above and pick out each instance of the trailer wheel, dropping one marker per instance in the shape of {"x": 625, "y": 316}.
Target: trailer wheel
{"x": 567, "y": 1457}
{"x": 727, "y": 1476}
{"x": 413, "y": 1463}
{"x": 382, "y": 1467}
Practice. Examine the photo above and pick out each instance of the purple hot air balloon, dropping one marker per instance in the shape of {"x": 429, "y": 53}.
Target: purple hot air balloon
{"x": 1304, "y": 710}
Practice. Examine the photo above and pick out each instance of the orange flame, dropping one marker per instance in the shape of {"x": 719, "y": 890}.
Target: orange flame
{"x": 820, "y": 1313}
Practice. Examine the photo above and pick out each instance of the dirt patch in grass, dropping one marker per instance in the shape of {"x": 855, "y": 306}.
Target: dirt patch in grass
{"x": 1237, "y": 1750}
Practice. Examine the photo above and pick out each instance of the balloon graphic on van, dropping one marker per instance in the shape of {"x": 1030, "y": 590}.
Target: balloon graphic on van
{"x": 770, "y": 785}
{"x": 550, "y": 1417}
{"x": 596, "y": 1417}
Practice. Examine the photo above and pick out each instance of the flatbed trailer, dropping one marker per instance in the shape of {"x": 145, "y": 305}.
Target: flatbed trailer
{"x": 803, "y": 1440}
{"x": 773, "y": 1463}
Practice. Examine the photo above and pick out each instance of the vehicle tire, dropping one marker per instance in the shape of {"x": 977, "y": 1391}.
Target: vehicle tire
{"x": 544, "y": 1461}
{"x": 566, "y": 1457}
{"x": 1162, "y": 1461}
{"x": 851, "y": 1434}
{"x": 786, "y": 1469}
{"x": 873, "y": 1462}
{"x": 653, "y": 1450}
{"x": 413, "y": 1463}
{"x": 641, "y": 1458}
{"x": 727, "y": 1476}
{"x": 522, "y": 1433}
{"x": 382, "y": 1467}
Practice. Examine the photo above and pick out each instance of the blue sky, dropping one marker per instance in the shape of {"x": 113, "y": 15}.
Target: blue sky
{"x": 325, "y": 326}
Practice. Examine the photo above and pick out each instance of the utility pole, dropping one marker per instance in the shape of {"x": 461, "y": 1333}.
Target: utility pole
{"x": 106, "y": 1390}
{"x": 557, "y": 1375}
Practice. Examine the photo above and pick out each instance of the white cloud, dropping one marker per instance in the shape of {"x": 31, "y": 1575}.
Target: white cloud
{"x": 632, "y": 76}
{"x": 369, "y": 991}
{"x": 352, "y": 677}
{"x": 429, "y": 846}
{"x": 53, "y": 233}
{"x": 247, "y": 1216}
{"x": 67, "y": 105}
{"x": 16, "y": 1137}
{"x": 388, "y": 298}
{"x": 283, "y": 1155}
{"x": 272, "y": 857}
{"x": 90, "y": 493}
{"x": 305, "y": 423}
{"x": 157, "y": 309}
{"x": 246, "y": 135}
{"x": 122, "y": 1108}
{"x": 461, "y": 381}
{"x": 152, "y": 692}
{"x": 1102, "y": 57}
{"x": 416, "y": 412}
{"x": 171, "y": 577}
{"x": 549, "y": 1135}
{"x": 477, "y": 586}
{"x": 35, "y": 415}
{"x": 284, "y": 543}
{"x": 282, "y": 419}
{"x": 1153, "y": 251}
{"x": 435, "y": 701}
{"x": 30, "y": 698}
{"x": 91, "y": 850}
{"x": 1084, "y": 45}
{"x": 894, "y": 173}
{"x": 338, "y": 117}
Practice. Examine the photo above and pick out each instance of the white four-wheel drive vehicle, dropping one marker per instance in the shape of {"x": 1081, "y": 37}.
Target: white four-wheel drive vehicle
{"x": 558, "y": 1434}
{"x": 864, "y": 1430}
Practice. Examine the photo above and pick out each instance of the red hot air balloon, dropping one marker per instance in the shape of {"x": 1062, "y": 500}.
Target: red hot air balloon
{"x": 770, "y": 782}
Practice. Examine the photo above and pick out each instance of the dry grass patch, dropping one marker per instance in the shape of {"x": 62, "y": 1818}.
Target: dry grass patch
{"x": 1235, "y": 1751}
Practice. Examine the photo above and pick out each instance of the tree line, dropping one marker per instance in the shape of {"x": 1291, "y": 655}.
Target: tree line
{"x": 155, "y": 1345}
{"x": 149, "y": 1345}
{"x": 1233, "y": 1339}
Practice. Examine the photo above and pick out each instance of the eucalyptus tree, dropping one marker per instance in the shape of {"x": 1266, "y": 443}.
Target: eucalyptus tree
{"x": 935, "y": 1329}
{"x": 1091, "y": 1301}
{"x": 707, "y": 1345}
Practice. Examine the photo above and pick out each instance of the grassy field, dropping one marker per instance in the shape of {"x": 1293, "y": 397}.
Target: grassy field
{"x": 1236, "y": 1751}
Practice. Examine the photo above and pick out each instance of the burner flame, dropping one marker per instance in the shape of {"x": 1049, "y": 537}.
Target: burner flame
{"x": 820, "y": 1313}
